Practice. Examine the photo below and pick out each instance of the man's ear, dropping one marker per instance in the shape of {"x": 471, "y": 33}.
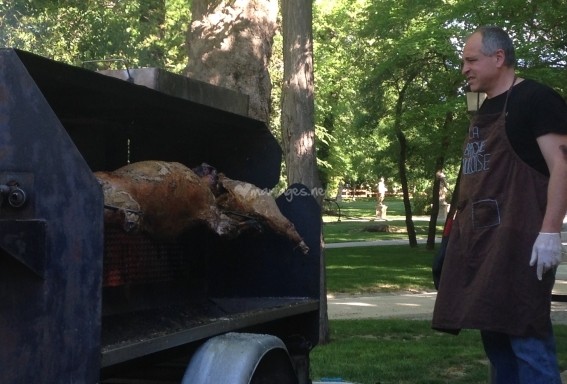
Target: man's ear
{"x": 500, "y": 56}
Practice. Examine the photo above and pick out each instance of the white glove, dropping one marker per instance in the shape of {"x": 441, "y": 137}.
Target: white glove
{"x": 546, "y": 252}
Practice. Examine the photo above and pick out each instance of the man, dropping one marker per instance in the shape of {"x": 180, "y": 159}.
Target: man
{"x": 505, "y": 243}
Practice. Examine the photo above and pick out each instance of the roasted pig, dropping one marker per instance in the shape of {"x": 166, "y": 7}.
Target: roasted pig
{"x": 164, "y": 199}
{"x": 247, "y": 199}
{"x": 160, "y": 198}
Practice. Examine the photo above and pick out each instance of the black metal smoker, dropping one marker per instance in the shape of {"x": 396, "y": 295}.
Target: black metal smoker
{"x": 80, "y": 303}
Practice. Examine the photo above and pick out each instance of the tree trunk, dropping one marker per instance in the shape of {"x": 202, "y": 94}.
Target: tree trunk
{"x": 439, "y": 165}
{"x": 297, "y": 94}
{"x": 405, "y": 188}
{"x": 432, "y": 228}
{"x": 402, "y": 163}
{"x": 230, "y": 45}
{"x": 298, "y": 128}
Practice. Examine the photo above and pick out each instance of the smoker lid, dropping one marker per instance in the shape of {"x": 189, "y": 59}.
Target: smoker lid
{"x": 185, "y": 88}
{"x": 158, "y": 126}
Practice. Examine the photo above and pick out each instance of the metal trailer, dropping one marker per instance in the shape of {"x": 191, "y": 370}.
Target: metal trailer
{"x": 81, "y": 303}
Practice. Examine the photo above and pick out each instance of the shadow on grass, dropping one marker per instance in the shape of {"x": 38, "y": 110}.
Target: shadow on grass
{"x": 379, "y": 269}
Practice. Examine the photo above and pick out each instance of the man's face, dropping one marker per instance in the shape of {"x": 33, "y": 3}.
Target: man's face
{"x": 479, "y": 69}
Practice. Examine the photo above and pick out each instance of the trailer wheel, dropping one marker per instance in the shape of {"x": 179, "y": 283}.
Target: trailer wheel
{"x": 274, "y": 368}
{"x": 241, "y": 358}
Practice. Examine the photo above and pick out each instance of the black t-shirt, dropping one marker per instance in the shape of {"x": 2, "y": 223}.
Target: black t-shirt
{"x": 533, "y": 110}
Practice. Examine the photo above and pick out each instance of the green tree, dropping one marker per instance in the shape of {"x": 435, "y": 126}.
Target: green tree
{"x": 366, "y": 55}
{"x": 344, "y": 156}
{"x": 142, "y": 33}
{"x": 412, "y": 70}
{"x": 363, "y": 51}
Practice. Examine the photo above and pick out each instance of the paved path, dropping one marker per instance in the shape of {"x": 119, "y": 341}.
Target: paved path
{"x": 412, "y": 305}
{"x": 382, "y": 306}
{"x": 372, "y": 243}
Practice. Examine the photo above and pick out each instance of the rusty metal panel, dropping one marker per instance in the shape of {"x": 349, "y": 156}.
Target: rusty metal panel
{"x": 50, "y": 247}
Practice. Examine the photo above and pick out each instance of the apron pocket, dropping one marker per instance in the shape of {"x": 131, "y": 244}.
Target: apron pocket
{"x": 485, "y": 213}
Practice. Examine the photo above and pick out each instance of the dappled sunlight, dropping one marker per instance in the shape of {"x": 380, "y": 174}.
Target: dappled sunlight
{"x": 358, "y": 222}
{"x": 383, "y": 287}
{"x": 351, "y": 267}
{"x": 356, "y": 304}
{"x": 381, "y": 306}
{"x": 304, "y": 146}
{"x": 371, "y": 270}
{"x": 393, "y": 271}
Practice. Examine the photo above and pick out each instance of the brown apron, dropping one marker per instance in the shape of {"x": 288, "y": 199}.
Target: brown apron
{"x": 486, "y": 282}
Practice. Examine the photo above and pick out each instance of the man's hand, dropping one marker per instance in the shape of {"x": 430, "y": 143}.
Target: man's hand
{"x": 546, "y": 252}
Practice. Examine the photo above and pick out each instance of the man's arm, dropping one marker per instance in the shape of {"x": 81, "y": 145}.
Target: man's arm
{"x": 554, "y": 150}
{"x": 547, "y": 248}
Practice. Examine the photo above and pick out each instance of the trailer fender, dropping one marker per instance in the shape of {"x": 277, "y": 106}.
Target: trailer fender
{"x": 235, "y": 357}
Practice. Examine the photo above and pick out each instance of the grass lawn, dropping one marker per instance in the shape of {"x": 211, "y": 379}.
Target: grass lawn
{"x": 358, "y": 222}
{"x": 397, "y": 351}
{"x": 406, "y": 352}
{"x": 364, "y": 208}
{"x": 378, "y": 269}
